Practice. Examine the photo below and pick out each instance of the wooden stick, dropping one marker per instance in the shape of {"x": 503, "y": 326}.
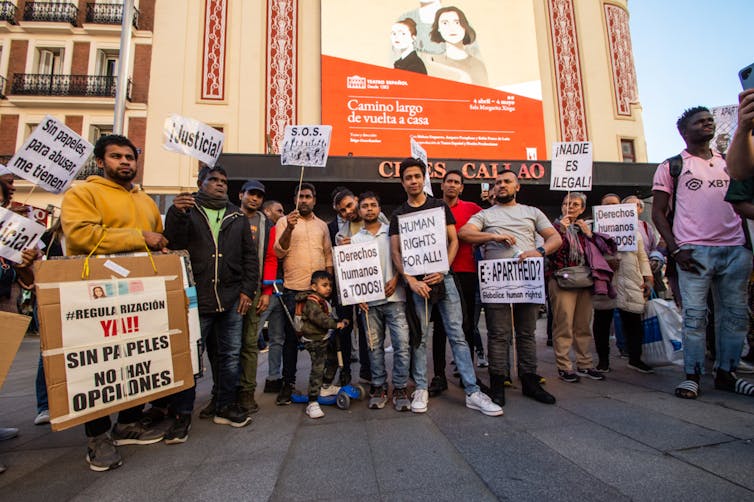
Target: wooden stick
{"x": 29, "y": 194}
{"x": 300, "y": 181}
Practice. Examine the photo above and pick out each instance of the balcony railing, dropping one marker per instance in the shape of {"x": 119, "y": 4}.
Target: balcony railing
{"x": 89, "y": 169}
{"x": 108, "y": 13}
{"x": 3, "y": 81}
{"x": 8, "y": 12}
{"x": 53, "y": 12}
{"x": 33, "y": 84}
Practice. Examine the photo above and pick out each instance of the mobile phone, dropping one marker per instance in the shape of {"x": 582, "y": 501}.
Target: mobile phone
{"x": 746, "y": 75}
{"x": 485, "y": 187}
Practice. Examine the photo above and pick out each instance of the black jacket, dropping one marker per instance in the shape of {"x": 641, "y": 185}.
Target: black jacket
{"x": 221, "y": 271}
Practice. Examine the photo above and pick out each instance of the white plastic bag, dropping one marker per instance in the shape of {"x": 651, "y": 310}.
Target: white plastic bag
{"x": 663, "y": 328}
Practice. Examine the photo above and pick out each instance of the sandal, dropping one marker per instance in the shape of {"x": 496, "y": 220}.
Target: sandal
{"x": 730, "y": 382}
{"x": 688, "y": 389}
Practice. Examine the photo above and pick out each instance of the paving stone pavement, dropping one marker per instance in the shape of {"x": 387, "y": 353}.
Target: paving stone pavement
{"x": 627, "y": 438}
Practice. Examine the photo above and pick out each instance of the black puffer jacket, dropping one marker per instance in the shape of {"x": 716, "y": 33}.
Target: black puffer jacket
{"x": 221, "y": 272}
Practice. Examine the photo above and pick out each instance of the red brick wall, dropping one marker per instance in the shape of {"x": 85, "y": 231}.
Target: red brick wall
{"x": 80, "y": 63}
{"x": 8, "y": 133}
{"x": 137, "y": 132}
{"x": 17, "y": 61}
{"x": 140, "y": 76}
{"x": 75, "y": 122}
{"x": 81, "y": 17}
{"x": 146, "y": 15}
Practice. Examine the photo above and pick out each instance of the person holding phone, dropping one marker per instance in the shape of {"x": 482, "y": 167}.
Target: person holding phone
{"x": 740, "y": 157}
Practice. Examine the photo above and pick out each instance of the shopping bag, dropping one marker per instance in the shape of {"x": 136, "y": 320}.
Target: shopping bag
{"x": 663, "y": 326}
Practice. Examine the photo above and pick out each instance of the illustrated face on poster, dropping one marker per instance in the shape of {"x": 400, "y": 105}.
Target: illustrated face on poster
{"x": 449, "y": 74}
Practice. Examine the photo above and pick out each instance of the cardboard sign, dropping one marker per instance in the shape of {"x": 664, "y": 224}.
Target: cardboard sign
{"x": 51, "y": 156}
{"x": 571, "y": 167}
{"x": 193, "y": 138}
{"x": 512, "y": 281}
{"x": 16, "y": 234}
{"x": 418, "y": 152}
{"x": 359, "y": 273}
{"x": 424, "y": 241}
{"x": 306, "y": 146}
{"x": 14, "y": 329}
{"x": 619, "y": 221}
{"x": 110, "y": 344}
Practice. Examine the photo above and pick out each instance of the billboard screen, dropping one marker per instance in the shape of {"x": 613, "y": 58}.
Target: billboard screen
{"x": 461, "y": 78}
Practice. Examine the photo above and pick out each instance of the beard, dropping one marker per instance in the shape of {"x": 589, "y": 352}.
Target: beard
{"x": 505, "y": 198}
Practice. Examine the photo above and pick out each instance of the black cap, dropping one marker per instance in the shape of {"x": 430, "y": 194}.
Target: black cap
{"x": 253, "y": 185}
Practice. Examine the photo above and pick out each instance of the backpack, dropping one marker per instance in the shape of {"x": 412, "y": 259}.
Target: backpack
{"x": 298, "y": 314}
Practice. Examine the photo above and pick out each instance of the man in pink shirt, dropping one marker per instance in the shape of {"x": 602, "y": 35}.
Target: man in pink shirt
{"x": 705, "y": 237}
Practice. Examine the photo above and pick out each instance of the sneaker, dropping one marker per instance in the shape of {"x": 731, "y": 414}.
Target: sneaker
{"x": 209, "y": 410}
{"x": 401, "y": 401}
{"x": 377, "y": 398}
{"x": 388, "y": 349}
{"x": 232, "y": 415}
{"x": 641, "y": 367}
{"x": 507, "y": 382}
{"x": 481, "y": 402}
{"x": 623, "y": 353}
{"x": 272, "y": 386}
{"x": 247, "y": 402}
{"x": 437, "y": 385}
{"x": 329, "y": 390}
{"x": 603, "y": 368}
{"x": 420, "y": 400}
{"x": 284, "y": 396}
{"x": 101, "y": 454}
{"x": 43, "y": 417}
{"x": 313, "y": 410}
{"x": 178, "y": 433}
{"x": 135, "y": 433}
{"x": 745, "y": 367}
{"x": 590, "y": 373}
{"x": 482, "y": 361}
{"x": 365, "y": 378}
{"x": 568, "y": 376}
{"x": 8, "y": 433}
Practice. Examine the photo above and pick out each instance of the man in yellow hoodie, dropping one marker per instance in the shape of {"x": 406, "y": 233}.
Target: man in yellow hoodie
{"x": 109, "y": 214}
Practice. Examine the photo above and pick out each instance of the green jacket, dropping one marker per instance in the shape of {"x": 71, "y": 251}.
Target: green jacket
{"x": 316, "y": 316}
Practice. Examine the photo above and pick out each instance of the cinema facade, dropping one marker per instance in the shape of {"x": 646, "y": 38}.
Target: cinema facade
{"x": 499, "y": 82}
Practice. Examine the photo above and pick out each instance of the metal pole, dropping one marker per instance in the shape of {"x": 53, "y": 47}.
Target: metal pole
{"x": 124, "y": 63}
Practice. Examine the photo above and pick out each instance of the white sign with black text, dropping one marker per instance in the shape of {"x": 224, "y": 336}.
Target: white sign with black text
{"x": 418, "y": 152}
{"x": 571, "y": 166}
{"x": 306, "y": 145}
{"x": 512, "y": 281}
{"x": 619, "y": 221}
{"x": 51, "y": 156}
{"x": 424, "y": 241}
{"x": 193, "y": 138}
{"x": 16, "y": 234}
{"x": 358, "y": 273}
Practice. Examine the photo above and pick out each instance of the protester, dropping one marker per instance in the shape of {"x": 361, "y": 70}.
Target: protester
{"x": 109, "y": 214}
{"x": 740, "y": 156}
{"x": 302, "y": 241}
{"x": 226, "y": 271}
{"x": 275, "y": 316}
{"x": 705, "y": 237}
{"x": 383, "y": 315}
{"x": 508, "y": 230}
{"x": 429, "y": 288}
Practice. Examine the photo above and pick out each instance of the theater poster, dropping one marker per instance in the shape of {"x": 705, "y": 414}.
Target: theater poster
{"x": 460, "y": 77}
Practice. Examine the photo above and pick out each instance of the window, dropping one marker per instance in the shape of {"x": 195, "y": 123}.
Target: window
{"x": 627, "y": 150}
{"x": 107, "y": 63}
{"x": 50, "y": 60}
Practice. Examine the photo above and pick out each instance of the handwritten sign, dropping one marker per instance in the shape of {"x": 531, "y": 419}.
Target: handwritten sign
{"x": 306, "y": 146}
{"x": 418, "y": 152}
{"x": 193, "y": 138}
{"x": 16, "y": 234}
{"x": 424, "y": 241}
{"x": 51, "y": 156}
{"x": 512, "y": 281}
{"x": 619, "y": 221}
{"x": 358, "y": 273}
{"x": 571, "y": 166}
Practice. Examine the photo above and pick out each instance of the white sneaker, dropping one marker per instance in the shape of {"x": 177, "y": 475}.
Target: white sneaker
{"x": 314, "y": 411}
{"x": 329, "y": 390}
{"x": 744, "y": 367}
{"x": 42, "y": 418}
{"x": 419, "y": 404}
{"x": 481, "y": 402}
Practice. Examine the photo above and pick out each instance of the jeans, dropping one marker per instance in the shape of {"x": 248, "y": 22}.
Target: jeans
{"x": 725, "y": 270}
{"x": 276, "y": 331}
{"x": 500, "y": 329}
{"x": 226, "y": 328}
{"x": 467, "y": 285}
{"x": 41, "y": 387}
{"x": 390, "y": 315}
{"x": 290, "y": 345}
{"x": 452, "y": 318}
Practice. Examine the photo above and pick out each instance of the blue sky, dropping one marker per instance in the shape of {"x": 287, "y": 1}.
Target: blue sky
{"x": 687, "y": 53}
